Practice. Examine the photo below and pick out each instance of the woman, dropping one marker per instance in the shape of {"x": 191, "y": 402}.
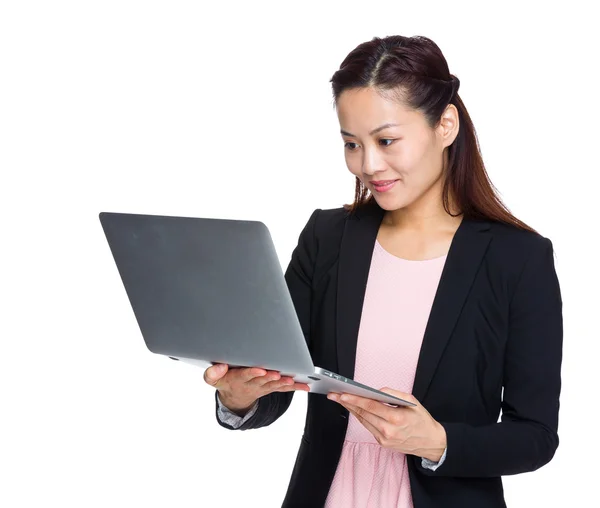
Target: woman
{"x": 426, "y": 286}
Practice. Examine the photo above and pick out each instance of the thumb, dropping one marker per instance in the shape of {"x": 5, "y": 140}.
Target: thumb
{"x": 214, "y": 373}
{"x": 396, "y": 393}
{"x": 401, "y": 395}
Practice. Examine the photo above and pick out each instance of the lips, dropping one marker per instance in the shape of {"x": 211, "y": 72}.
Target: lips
{"x": 383, "y": 185}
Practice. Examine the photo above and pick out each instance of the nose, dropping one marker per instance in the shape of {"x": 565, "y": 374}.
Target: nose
{"x": 372, "y": 162}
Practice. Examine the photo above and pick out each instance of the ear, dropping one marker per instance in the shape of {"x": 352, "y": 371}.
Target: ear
{"x": 449, "y": 125}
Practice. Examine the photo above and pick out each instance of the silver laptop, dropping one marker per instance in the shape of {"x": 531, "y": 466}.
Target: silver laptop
{"x": 208, "y": 291}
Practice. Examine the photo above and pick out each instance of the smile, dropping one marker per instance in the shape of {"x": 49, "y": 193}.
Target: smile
{"x": 384, "y": 186}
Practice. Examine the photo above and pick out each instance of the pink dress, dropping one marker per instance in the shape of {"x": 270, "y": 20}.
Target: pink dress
{"x": 398, "y": 300}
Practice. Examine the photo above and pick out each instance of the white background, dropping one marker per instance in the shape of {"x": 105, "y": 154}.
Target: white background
{"x": 193, "y": 108}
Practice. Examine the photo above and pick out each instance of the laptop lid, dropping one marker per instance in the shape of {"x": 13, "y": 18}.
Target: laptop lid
{"x": 208, "y": 289}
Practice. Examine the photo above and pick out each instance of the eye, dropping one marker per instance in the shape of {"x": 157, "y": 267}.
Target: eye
{"x": 352, "y": 149}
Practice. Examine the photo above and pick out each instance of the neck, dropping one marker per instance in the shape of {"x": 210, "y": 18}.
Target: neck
{"x": 424, "y": 220}
{"x": 425, "y": 215}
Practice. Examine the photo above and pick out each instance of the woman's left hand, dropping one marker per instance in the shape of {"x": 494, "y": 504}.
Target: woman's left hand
{"x": 410, "y": 430}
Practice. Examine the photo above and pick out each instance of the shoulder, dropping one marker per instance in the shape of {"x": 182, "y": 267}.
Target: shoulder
{"x": 323, "y": 230}
{"x": 514, "y": 243}
{"x": 514, "y": 252}
{"x": 517, "y": 237}
{"x": 330, "y": 220}
{"x": 323, "y": 225}
{"x": 321, "y": 238}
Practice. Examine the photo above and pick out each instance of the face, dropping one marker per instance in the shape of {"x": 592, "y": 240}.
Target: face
{"x": 400, "y": 164}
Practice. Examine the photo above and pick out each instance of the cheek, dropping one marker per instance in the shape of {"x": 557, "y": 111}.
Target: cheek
{"x": 408, "y": 159}
{"x": 414, "y": 166}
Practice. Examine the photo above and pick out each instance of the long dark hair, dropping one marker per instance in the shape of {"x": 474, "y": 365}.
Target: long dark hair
{"x": 416, "y": 69}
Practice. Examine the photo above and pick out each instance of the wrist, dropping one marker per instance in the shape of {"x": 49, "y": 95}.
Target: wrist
{"x": 240, "y": 408}
{"x": 439, "y": 444}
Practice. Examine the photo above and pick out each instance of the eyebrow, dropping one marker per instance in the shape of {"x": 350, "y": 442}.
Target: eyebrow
{"x": 374, "y": 131}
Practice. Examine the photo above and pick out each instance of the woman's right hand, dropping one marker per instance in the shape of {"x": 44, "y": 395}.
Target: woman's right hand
{"x": 240, "y": 387}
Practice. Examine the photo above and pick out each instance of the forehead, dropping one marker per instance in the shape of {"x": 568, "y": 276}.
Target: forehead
{"x": 366, "y": 108}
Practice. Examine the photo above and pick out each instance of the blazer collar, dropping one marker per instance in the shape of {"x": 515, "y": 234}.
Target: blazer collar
{"x": 464, "y": 257}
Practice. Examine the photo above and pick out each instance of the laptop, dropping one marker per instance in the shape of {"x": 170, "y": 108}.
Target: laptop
{"x": 206, "y": 291}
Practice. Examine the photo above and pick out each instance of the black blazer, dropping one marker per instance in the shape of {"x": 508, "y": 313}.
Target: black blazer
{"x": 493, "y": 341}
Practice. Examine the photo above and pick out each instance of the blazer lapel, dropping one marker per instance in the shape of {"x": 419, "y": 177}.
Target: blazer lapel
{"x": 464, "y": 257}
{"x": 354, "y": 262}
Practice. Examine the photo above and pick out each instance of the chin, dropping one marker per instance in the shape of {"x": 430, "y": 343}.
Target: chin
{"x": 389, "y": 203}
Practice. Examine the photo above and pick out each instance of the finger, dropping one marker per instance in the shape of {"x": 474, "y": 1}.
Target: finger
{"x": 401, "y": 395}
{"x": 374, "y": 407}
{"x": 372, "y": 428}
{"x": 249, "y": 373}
{"x": 298, "y": 386}
{"x": 270, "y": 377}
{"x": 373, "y": 419}
{"x": 292, "y": 382}
{"x": 286, "y": 385}
{"x": 215, "y": 373}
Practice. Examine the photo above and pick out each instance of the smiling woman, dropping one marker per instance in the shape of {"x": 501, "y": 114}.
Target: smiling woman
{"x": 426, "y": 285}
{"x": 423, "y": 135}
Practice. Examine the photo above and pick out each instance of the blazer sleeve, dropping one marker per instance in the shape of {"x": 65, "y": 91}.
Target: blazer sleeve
{"x": 526, "y": 438}
{"x": 298, "y": 277}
